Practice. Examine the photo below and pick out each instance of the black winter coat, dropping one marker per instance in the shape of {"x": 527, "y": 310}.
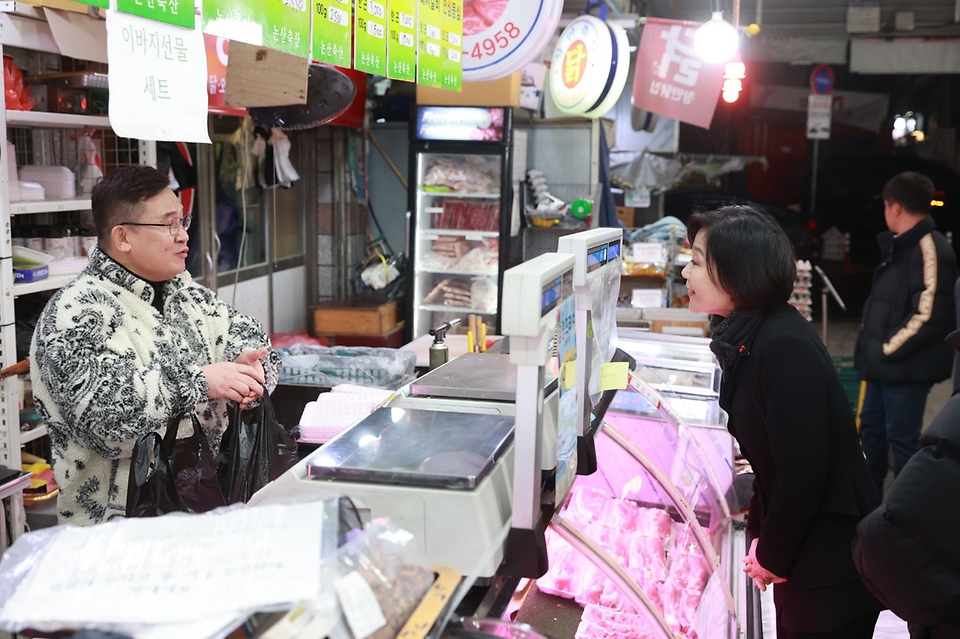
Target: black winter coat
{"x": 910, "y": 309}
{"x": 908, "y": 549}
{"x": 792, "y": 418}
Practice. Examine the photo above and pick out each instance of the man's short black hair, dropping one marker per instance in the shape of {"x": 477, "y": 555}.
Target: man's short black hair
{"x": 117, "y": 197}
{"x": 748, "y": 255}
{"x": 913, "y": 191}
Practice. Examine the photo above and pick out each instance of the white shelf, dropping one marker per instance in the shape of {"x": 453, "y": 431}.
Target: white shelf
{"x": 59, "y": 120}
{"x": 426, "y": 233}
{"x": 33, "y": 433}
{"x": 49, "y": 284}
{"x": 440, "y": 271}
{"x": 464, "y": 196}
{"x": 50, "y": 206}
{"x": 15, "y": 486}
{"x": 443, "y": 308}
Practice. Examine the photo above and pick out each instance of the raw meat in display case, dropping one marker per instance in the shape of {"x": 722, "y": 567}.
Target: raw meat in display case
{"x": 468, "y": 174}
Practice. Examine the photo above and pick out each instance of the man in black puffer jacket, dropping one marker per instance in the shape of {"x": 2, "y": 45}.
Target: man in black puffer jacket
{"x": 907, "y": 550}
{"x": 900, "y": 350}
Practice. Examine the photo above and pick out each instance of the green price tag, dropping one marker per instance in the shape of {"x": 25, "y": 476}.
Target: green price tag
{"x": 452, "y": 66}
{"x": 429, "y": 39}
{"x": 104, "y": 4}
{"x": 402, "y": 42}
{"x": 370, "y": 36}
{"x": 175, "y": 12}
{"x": 240, "y": 20}
{"x": 287, "y": 26}
{"x": 332, "y": 22}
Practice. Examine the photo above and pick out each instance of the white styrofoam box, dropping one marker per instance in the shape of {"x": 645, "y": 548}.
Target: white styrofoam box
{"x": 68, "y": 267}
{"x": 30, "y": 190}
{"x": 58, "y": 181}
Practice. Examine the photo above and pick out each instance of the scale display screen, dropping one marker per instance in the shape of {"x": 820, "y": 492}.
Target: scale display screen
{"x": 602, "y": 254}
{"x": 554, "y": 292}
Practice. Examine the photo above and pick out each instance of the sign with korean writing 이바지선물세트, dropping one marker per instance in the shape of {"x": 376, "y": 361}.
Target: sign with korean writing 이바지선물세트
{"x": 670, "y": 78}
{"x": 160, "y": 75}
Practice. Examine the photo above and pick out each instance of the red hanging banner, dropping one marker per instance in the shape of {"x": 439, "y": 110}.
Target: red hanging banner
{"x": 670, "y": 78}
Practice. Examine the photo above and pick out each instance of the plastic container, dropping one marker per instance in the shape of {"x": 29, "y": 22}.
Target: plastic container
{"x": 321, "y": 366}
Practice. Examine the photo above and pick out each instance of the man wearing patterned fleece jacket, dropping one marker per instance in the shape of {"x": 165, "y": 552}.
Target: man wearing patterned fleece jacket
{"x": 132, "y": 342}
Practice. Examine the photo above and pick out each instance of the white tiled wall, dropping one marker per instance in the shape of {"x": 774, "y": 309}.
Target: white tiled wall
{"x": 252, "y": 299}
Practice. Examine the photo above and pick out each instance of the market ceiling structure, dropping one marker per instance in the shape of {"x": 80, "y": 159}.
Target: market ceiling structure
{"x": 815, "y": 31}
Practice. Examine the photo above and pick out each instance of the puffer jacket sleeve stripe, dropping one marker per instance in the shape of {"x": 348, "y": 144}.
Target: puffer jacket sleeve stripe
{"x": 925, "y": 308}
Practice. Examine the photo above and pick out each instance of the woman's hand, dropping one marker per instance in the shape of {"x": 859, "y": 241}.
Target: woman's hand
{"x": 760, "y": 575}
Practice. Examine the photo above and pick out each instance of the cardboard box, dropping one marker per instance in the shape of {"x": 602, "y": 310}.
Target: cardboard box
{"x": 393, "y": 339}
{"x": 349, "y": 317}
{"x": 502, "y": 92}
{"x": 625, "y": 214}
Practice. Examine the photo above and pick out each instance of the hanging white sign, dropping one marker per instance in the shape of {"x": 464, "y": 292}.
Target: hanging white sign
{"x": 158, "y": 80}
{"x": 819, "y": 113}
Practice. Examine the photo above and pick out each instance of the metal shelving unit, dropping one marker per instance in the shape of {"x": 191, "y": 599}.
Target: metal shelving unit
{"x": 27, "y": 207}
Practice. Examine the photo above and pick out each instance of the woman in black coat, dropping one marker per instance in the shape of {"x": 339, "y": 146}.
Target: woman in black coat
{"x": 793, "y": 421}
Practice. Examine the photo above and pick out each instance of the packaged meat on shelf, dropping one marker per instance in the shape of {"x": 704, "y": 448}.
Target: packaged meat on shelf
{"x": 462, "y": 174}
{"x": 466, "y": 215}
{"x": 660, "y": 505}
{"x": 455, "y": 253}
{"x": 473, "y": 293}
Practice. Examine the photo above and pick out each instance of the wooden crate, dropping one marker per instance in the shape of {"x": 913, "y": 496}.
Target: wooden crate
{"x": 345, "y": 317}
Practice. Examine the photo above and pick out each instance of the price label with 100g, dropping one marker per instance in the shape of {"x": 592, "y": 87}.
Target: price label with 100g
{"x": 500, "y": 40}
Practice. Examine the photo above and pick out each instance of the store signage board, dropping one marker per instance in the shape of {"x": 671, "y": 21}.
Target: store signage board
{"x": 240, "y": 20}
{"x": 402, "y": 40}
{"x": 429, "y": 44}
{"x": 157, "y": 92}
{"x": 670, "y": 78}
{"x": 286, "y": 26}
{"x": 583, "y": 71}
{"x": 821, "y": 79}
{"x": 333, "y": 31}
{"x": 450, "y": 47}
{"x": 174, "y": 12}
{"x": 863, "y": 16}
{"x": 370, "y": 37}
{"x": 460, "y": 123}
{"x": 819, "y": 114}
{"x": 500, "y": 38}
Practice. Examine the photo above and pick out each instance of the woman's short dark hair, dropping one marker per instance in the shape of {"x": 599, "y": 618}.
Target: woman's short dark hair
{"x": 748, "y": 255}
{"x": 117, "y": 197}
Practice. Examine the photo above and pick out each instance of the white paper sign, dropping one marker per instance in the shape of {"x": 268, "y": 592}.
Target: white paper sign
{"x": 359, "y": 605}
{"x": 648, "y": 252}
{"x": 648, "y": 297}
{"x": 638, "y": 198}
{"x": 158, "y": 80}
{"x": 819, "y": 113}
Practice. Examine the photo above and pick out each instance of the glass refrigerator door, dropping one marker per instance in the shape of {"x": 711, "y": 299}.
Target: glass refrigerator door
{"x": 457, "y": 250}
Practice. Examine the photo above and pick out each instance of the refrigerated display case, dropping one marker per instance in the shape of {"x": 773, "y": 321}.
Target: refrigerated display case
{"x": 659, "y": 508}
{"x": 461, "y": 208}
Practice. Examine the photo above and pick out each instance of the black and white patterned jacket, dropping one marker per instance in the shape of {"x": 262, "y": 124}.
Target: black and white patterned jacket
{"x": 106, "y": 367}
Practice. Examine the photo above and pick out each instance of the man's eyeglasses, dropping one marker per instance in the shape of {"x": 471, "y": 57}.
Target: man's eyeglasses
{"x": 173, "y": 226}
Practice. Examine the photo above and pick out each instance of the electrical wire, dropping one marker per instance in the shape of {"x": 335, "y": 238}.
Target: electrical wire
{"x": 243, "y": 205}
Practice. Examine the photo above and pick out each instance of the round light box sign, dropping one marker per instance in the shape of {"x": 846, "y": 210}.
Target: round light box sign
{"x": 501, "y": 36}
{"x": 589, "y": 67}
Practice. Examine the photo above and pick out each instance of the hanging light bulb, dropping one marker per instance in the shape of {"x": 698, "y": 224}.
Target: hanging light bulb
{"x": 717, "y": 40}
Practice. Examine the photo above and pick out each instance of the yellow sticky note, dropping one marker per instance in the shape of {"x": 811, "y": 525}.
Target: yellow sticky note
{"x": 568, "y": 375}
{"x": 613, "y": 376}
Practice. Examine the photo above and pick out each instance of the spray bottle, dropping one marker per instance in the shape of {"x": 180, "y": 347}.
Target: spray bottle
{"x": 439, "y": 353}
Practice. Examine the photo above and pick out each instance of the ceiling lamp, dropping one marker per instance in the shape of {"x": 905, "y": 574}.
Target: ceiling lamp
{"x": 717, "y": 40}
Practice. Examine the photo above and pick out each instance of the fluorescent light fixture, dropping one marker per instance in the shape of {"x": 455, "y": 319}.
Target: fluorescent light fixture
{"x": 717, "y": 40}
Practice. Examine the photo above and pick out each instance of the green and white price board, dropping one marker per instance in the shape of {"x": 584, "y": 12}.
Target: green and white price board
{"x": 429, "y": 39}
{"x": 402, "y": 42}
{"x": 103, "y": 4}
{"x": 450, "y": 49}
{"x": 332, "y": 28}
{"x": 175, "y": 12}
{"x": 240, "y": 20}
{"x": 370, "y": 36}
{"x": 286, "y": 26}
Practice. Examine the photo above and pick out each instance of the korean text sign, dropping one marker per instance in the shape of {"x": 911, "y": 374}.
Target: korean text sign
{"x": 332, "y": 32}
{"x": 671, "y": 79}
{"x": 161, "y": 73}
{"x": 170, "y": 11}
{"x": 370, "y": 37}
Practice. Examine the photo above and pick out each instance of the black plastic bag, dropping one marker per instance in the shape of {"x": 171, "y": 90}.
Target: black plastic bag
{"x": 255, "y": 450}
{"x": 173, "y": 475}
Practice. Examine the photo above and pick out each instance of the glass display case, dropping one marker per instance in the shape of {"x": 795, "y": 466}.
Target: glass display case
{"x": 647, "y": 545}
{"x": 460, "y": 205}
